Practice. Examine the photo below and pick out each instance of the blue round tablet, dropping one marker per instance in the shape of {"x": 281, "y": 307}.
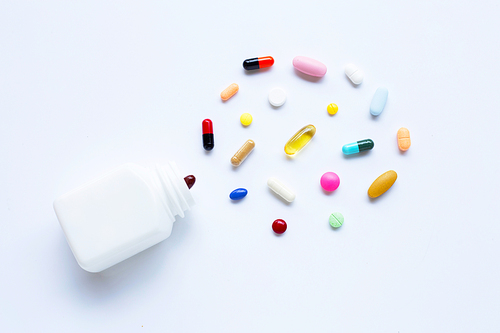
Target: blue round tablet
{"x": 238, "y": 194}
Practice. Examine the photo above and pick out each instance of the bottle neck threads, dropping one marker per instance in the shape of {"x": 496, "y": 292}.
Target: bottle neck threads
{"x": 172, "y": 189}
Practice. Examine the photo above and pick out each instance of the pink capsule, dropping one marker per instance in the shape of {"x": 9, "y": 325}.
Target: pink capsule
{"x": 309, "y": 66}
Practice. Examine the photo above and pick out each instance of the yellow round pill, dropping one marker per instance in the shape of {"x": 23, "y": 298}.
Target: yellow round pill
{"x": 246, "y": 119}
{"x": 332, "y": 108}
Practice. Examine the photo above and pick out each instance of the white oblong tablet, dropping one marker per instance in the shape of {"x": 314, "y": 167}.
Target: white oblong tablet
{"x": 280, "y": 189}
{"x": 354, "y": 74}
{"x": 378, "y": 101}
{"x": 277, "y": 97}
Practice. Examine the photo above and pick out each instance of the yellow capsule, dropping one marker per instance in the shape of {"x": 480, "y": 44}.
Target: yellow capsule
{"x": 300, "y": 139}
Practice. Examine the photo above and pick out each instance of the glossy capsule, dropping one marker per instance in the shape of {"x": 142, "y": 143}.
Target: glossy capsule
{"x": 242, "y": 153}
{"x": 257, "y": 63}
{"x": 190, "y": 180}
{"x": 300, "y": 139}
{"x": 238, "y": 194}
{"x": 358, "y": 146}
{"x": 208, "y": 134}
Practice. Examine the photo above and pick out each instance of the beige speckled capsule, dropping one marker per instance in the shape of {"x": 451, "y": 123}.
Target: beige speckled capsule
{"x": 404, "y": 141}
{"x": 229, "y": 91}
{"x": 382, "y": 184}
{"x": 242, "y": 153}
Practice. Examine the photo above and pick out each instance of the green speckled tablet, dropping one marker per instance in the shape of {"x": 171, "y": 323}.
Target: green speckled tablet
{"x": 336, "y": 220}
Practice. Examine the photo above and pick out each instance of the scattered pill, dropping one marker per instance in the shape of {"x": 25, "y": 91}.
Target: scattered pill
{"x": 246, "y": 119}
{"x": 354, "y": 74}
{"x": 190, "y": 180}
{"x": 280, "y": 189}
{"x": 332, "y": 108}
{"x": 358, "y": 146}
{"x": 229, "y": 91}
{"x": 208, "y": 134}
{"x": 336, "y": 220}
{"x": 277, "y": 97}
{"x": 300, "y": 139}
{"x": 382, "y": 184}
{"x": 404, "y": 141}
{"x": 279, "y": 226}
{"x": 309, "y": 66}
{"x": 256, "y": 63}
{"x": 378, "y": 101}
{"x": 238, "y": 194}
{"x": 242, "y": 153}
{"x": 330, "y": 181}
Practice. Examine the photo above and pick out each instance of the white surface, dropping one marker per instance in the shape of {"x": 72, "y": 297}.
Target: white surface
{"x": 87, "y": 86}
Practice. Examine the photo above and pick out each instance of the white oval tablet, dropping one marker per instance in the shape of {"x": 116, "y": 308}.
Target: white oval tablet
{"x": 354, "y": 74}
{"x": 277, "y": 97}
{"x": 280, "y": 189}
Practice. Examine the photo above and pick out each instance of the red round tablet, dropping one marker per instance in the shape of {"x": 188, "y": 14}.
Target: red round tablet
{"x": 279, "y": 226}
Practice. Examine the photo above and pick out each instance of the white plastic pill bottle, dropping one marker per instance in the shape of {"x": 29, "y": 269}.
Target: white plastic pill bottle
{"x": 122, "y": 213}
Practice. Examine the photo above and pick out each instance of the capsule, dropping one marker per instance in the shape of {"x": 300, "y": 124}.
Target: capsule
{"x": 238, "y": 194}
{"x": 382, "y": 184}
{"x": 257, "y": 63}
{"x": 242, "y": 153}
{"x": 208, "y": 134}
{"x": 378, "y": 101}
{"x": 309, "y": 66}
{"x": 354, "y": 74}
{"x": 404, "y": 141}
{"x": 300, "y": 139}
{"x": 358, "y": 146}
{"x": 229, "y": 91}
{"x": 190, "y": 180}
{"x": 280, "y": 189}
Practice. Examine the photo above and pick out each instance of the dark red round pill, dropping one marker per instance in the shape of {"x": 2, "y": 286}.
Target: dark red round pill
{"x": 279, "y": 226}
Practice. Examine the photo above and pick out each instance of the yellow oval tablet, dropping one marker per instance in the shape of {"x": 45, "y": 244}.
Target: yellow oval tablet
{"x": 404, "y": 141}
{"x": 382, "y": 184}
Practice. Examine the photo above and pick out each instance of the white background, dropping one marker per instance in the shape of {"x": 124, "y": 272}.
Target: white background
{"x": 85, "y": 87}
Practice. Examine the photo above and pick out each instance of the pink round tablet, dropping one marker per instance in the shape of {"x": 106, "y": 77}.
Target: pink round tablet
{"x": 330, "y": 181}
{"x": 309, "y": 66}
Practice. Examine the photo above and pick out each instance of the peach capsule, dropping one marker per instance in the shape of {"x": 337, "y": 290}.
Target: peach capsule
{"x": 404, "y": 141}
{"x": 229, "y": 91}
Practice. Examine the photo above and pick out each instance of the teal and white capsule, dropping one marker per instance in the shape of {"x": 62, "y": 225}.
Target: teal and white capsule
{"x": 357, "y": 147}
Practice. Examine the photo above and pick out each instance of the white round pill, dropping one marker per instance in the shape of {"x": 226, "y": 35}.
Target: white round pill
{"x": 277, "y": 97}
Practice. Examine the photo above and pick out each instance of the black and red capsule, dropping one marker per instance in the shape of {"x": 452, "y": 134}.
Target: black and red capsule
{"x": 257, "y": 63}
{"x": 208, "y": 134}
